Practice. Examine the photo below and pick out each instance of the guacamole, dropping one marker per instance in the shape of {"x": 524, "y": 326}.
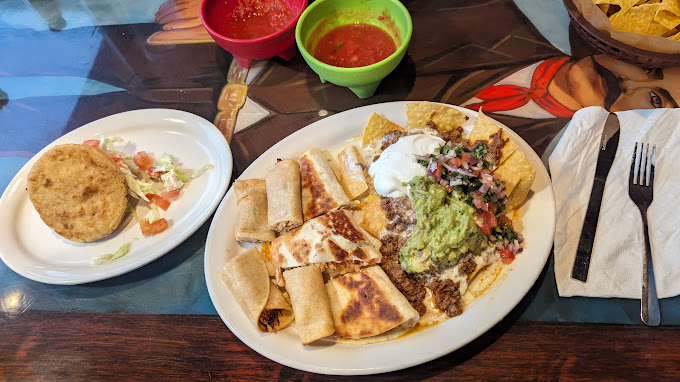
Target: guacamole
{"x": 445, "y": 227}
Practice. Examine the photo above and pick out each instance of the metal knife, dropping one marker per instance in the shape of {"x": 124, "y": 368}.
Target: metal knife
{"x": 608, "y": 145}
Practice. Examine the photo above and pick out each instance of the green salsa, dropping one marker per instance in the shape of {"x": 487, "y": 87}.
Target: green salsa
{"x": 445, "y": 227}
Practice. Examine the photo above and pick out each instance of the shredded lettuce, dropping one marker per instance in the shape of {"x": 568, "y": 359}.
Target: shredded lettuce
{"x": 155, "y": 212}
{"x": 132, "y": 211}
{"x": 139, "y": 184}
{"x": 201, "y": 170}
{"x": 136, "y": 187}
{"x": 122, "y": 251}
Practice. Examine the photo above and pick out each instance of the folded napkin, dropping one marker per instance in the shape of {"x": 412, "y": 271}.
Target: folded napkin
{"x": 616, "y": 263}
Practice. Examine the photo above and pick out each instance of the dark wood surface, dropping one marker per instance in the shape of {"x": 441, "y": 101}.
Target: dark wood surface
{"x": 82, "y": 346}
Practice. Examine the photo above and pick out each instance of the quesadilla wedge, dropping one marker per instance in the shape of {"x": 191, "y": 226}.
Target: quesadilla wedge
{"x": 367, "y": 304}
{"x": 331, "y": 238}
{"x": 321, "y": 191}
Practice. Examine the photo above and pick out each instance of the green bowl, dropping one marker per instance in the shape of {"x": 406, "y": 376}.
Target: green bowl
{"x": 324, "y": 15}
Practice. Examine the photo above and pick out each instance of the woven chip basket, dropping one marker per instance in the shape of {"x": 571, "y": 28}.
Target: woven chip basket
{"x": 605, "y": 44}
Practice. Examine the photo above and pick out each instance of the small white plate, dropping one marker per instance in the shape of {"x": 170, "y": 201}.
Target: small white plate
{"x": 537, "y": 217}
{"x": 33, "y": 250}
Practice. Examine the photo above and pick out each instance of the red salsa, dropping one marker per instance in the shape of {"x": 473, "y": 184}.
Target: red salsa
{"x": 248, "y": 19}
{"x": 354, "y": 45}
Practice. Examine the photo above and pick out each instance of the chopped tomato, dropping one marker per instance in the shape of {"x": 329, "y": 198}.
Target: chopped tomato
{"x": 505, "y": 219}
{"x": 507, "y": 256}
{"x": 92, "y": 143}
{"x": 143, "y": 160}
{"x": 158, "y": 226}
{"x": 118, "y": 160}
{"x": 456, "y": 162}
{"x": 486, "y": 221}
{"x": 465, "y": 157}
{"x": 438, "y": 171}
{"x": 159, "y": 201}
{"x": 170, "y": 195}
{"x": 154, "y": 174}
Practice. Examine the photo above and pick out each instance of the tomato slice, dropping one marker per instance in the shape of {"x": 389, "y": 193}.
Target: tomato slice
{"x": 507, "y": 256}
{"x": 143, "y": 160}
{"x": 92, "y": 143}
{"x": 158, "y": 226}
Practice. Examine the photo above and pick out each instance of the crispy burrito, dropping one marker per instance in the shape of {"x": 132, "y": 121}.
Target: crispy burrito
{"x": 331, "y": 238}
{"x": 307, "y": 292}
{"x": 247, "y": 277}
{"x": 284, "y": 203}
{"x": 251, "y": 200}
{"x": 321, "y": 191}
{"x": 367, "y": 304}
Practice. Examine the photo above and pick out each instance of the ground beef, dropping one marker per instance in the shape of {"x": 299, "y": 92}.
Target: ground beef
{"x": 399, "y": 213}
{"x": 466, "y": 264}
{"x": 447, "y": 296}
{"x": 496, "y": 143}
{"x": 454, "y": 136}
{"x": 413, "y": 291}
{"x": 391, "y": 137}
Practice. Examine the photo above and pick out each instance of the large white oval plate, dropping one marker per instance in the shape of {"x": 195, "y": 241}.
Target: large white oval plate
{"x": 33, "y": 250}
{"x": 537, "y": 221}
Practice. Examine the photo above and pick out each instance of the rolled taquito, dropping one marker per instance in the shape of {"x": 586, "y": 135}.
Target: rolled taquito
{"x": 247, "y": 277}
{"x": 284, "y": 203}
{"x": 251, "y": 201}
{"x": 308, "y": 297}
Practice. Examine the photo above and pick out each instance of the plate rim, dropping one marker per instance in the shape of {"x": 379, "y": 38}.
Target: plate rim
{"x": 290, "y": 362}
{"x": 225, "y": 172}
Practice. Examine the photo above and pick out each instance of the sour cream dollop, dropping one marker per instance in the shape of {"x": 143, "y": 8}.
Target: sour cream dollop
{"x": 397, "y": 164}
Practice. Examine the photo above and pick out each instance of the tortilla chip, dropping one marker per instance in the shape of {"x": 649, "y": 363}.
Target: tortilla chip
{"x": 624, "y": 4}
{"x": 520, "y": 165}
{"x": 511, "y": 178}
{"x": 373, "y": 215}
{"x": 636, "y": 20}
{"x": 484, "y": 127}
{"x": 376, "y": 127}
{"x": 434, "y": 115}
{"x": 603, "y": 7}
{"x": 675, "y": 37}
{"x": 668, "y": 14}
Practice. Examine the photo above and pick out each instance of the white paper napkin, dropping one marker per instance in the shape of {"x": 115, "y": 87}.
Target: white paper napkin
{"x": 616, "y": 263}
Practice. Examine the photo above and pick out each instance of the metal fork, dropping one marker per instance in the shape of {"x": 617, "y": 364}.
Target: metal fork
{"x": 641, "y": 191}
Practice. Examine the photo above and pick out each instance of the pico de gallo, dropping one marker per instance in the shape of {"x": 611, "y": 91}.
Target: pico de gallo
{"x": 466, "y": 171}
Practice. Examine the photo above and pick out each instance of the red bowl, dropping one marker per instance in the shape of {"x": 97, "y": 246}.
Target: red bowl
{"x": 280, "y": 43}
